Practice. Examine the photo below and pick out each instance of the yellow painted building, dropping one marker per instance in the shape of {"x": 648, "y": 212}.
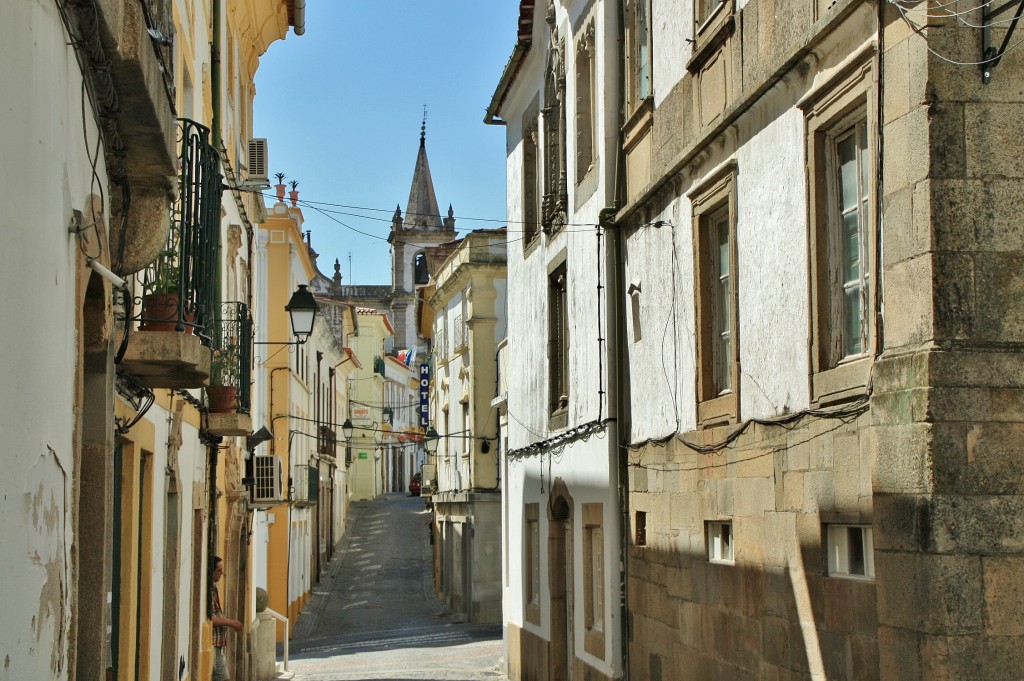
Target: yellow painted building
{"x": 306, "y": 398}
{"x": 368, "y": 470}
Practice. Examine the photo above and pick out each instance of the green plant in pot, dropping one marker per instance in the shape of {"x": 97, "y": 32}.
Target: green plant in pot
{"x": 162, "y": 304}
{"x": 222, "y": 394}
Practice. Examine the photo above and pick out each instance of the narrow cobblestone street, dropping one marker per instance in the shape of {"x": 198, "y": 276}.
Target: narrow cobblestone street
{"x": 374, "y": 614}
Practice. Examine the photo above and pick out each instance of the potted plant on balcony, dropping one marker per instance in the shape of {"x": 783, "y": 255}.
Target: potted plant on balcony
{"x": 161, "y": 303}
{"x": 294, "y": 193}
{"x": 222, "y": 393}
{"x": 280, "y": 186}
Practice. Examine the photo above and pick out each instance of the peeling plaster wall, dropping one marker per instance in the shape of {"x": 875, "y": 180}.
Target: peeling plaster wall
{"x": 43, "y": 130}
{"x": 772, "y": 263}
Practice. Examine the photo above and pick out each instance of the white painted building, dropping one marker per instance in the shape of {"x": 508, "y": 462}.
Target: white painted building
{"x": 814, "y": 269}
{"x": 564, "y": 533}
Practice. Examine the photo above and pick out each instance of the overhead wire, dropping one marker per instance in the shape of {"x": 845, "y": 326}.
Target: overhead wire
{"x": 919, "y": 31}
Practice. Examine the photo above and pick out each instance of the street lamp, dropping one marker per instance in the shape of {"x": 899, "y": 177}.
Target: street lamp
{"x": 302, "y": 309}
{"x": 432, "y": 439}
{"x": 347, "y": 429}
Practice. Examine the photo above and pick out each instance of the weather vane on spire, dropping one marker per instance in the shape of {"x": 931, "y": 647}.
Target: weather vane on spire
{"x": 423, "y": 126}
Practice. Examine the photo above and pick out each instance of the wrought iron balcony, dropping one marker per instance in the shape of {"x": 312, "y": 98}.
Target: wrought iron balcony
{"x": 228, "y": 394}
{"x": 177, "y": 292}
{"x": 327, "y": 442}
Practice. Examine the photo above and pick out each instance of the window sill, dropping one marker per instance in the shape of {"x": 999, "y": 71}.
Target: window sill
{"x": 711, "y": 35}
{"x": 530, "y": 244}
{"x": 559, "y": 420}
{"x": 845, "y": 382}
{"x": 853, "y": 578}
{"x": 639, "y": 122}
{"x": 719, "y": 411}
{"x": 586, "y": 186}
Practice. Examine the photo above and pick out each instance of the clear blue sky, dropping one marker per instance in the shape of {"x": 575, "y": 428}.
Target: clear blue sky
{"x": 341, "y": 108}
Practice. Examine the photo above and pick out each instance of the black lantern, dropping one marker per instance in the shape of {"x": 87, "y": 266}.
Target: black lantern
{"x": 302, "y": 308}
{"x": 347, "y": 429}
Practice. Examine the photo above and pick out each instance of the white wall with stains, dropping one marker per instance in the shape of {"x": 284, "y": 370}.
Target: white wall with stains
{"x": 46, "y": 174}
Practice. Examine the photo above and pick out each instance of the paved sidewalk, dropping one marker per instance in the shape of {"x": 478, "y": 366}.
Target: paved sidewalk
{"x": 374, "y": 614}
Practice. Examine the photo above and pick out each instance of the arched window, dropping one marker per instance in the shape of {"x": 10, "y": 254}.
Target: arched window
{"x": 420, "y": 274}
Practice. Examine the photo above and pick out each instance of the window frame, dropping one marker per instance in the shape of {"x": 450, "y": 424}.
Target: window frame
{"x": 710, "y": 201}
{"x": 532, "y": 189}
{"x": 638, "y": 70}
{"x": 531, "y": 563}
{"x": 710, "y": 31}
{"x": 713, "y": 543}
{"x": 586, "y": 104}
{"x": 836, "y": 107}
{"x": 558, "y": 345}
{"x": 594, "y": 596}
{"x": 418, "y": 258}
{"x": 837, "y": 551}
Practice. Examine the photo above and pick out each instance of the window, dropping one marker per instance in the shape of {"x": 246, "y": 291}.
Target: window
{"x": 586, "y": 92}
{"x": 704, "y": 9}
{"x": 842, "y": 206}
{"x": 531, "y": 176}
{"x": 638, "y": 53}
{"x": 420, "y": 274}
{"x": 556, "y": 198}
{"x": 850, "y": 551}
{"x": 719, "y": 542}
{"x": 716, "y": 300}
{"x": 641, "y": 528}
{"x": 848, "y": 199}
{"x": 593, "y": 579}
{"x": 558, "y": 344}
{"x": 531, "y": 539}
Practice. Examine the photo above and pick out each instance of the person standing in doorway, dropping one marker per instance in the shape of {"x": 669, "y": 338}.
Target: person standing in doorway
{"x": 220, "y": 625}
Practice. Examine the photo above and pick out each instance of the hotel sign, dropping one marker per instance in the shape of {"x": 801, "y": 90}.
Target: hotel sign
{"x": 424, "y": 411}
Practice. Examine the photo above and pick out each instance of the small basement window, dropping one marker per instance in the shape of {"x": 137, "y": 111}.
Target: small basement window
{"x": 719, "y": 541}
{"x": 641, "y": 528}
{"x": 850, "y": 551}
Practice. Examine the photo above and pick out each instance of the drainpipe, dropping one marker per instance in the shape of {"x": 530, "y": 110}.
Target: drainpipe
{"x": 299, "y": 21}
{"x": 619, "y": 398}
{"x": 215, "y": 75}
{"x": 211, "y": 530}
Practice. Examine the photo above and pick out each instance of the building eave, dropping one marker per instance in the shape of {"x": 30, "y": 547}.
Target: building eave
{"x": 524, "y": 40}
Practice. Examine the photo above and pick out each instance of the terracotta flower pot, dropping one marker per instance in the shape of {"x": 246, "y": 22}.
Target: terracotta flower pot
{"x": 161, "y": 311}
{"x": 222, "y": 399}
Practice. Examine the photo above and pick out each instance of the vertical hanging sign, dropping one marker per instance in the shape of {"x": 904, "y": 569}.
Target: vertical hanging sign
{"x": 424, "y": 395}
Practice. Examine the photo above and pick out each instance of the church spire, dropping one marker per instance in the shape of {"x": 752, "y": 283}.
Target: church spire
{"x": 421, "y": 211}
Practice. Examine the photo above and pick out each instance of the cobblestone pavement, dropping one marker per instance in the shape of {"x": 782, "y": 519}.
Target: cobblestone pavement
{"x": 374, "y": 614}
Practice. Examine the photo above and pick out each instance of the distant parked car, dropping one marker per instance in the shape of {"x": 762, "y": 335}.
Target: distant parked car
{"x": 414, "y": 486}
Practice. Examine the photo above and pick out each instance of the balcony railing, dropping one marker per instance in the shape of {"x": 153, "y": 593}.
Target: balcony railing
{"x": 232, "y": 352}
{"x": 460, "y": 334}
{"x": 177, "y": 292}
{"x": 327, "y": 442}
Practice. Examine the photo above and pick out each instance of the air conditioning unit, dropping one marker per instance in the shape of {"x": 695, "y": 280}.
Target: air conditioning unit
{"x": 299, "y": 486}
{"x": 269, "y": 481}
{"x": 305, "y": 486}
{"x": 257, "y": 165}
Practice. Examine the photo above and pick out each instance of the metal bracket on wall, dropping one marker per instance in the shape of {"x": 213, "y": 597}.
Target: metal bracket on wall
{"x": 990, "y": 55}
